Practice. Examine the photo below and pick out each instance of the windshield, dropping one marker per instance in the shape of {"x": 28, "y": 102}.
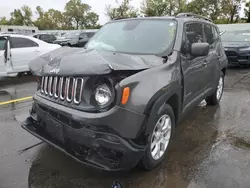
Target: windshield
{"x": 72, "y": 35}
{"x": 135, "y": 36}
{"x": 235, "y": 36}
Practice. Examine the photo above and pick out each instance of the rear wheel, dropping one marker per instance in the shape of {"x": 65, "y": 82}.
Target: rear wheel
{"x": 160, "y": 138}
{"x": 215, "y": 98}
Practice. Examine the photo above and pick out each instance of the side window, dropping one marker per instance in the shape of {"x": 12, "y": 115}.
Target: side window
{"x": 83, "y": 36}
{"x": 17, "y": 42}
{"x": 52, "y": 37}
{"x": 2, "y": 43}
{"x": 44, "y": 37}
{"x": 90, "y": 35}
{"x": 208, "y": 30}
{"x": 193, "y": 34}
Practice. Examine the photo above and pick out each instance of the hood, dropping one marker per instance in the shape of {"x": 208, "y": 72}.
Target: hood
{"x": 236, "y": 44}
{"x": 67, "y": 61}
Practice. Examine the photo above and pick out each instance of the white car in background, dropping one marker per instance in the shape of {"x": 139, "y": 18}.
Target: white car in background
{"x": 16, "y": 52}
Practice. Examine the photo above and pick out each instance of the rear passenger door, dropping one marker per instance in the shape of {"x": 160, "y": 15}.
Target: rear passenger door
{"x": 194, "y": 68}
{"x": 23, "y": 50}
{"x": 213, "y": 65}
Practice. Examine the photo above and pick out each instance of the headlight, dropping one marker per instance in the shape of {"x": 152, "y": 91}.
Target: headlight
{"x": 245, "y": 49}
{"x": 103, "y": 94}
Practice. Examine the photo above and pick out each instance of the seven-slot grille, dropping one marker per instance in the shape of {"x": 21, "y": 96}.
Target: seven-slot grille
{"x": 63, "y": 88}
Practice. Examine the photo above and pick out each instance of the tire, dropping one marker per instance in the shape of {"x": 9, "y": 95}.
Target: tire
{"x": 214, "y": 99}
{"x": 149, "y": 161}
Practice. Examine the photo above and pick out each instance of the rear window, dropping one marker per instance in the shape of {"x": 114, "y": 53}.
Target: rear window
{"x": 236, "y": 36}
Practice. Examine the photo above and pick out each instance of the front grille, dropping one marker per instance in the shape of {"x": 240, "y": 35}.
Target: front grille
{"x": 231, "y": 53}
{"x": 63, "y": 88}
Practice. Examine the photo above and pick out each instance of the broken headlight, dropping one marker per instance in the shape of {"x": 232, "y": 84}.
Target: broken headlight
{"x": 103, "y": 94}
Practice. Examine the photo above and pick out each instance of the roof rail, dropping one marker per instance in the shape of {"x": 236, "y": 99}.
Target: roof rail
{"x": 193, "y": 15}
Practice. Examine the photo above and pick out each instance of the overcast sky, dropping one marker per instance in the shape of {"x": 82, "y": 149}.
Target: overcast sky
{"x": 98, "y": 6}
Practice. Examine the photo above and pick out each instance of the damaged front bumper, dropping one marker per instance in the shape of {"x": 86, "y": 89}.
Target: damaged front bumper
{"x": 97, "y": 146}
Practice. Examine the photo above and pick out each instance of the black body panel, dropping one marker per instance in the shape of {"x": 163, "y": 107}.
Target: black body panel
{"x": 235, "y": 54}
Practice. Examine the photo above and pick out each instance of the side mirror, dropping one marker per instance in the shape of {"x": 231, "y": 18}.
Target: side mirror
{"x": 80, "y": 38}
{"x": 199, "y": 49}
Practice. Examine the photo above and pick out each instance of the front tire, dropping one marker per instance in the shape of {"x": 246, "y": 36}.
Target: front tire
{"x": 215, "y": 98}
{"x": 160, "y": 138}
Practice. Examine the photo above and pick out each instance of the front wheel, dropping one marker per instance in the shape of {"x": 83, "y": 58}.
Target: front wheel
{"x": 215, "y": 98}
{"x": 160, "y": 138}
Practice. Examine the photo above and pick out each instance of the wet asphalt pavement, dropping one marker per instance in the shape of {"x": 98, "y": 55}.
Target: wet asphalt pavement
{"x": 211, "y": 147}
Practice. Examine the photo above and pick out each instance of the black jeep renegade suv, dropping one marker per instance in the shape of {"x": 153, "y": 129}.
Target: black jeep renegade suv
{"x": 116, "y": 103}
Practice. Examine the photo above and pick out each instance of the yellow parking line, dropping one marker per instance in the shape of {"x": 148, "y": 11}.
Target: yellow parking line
{"x": 16, "y": 100}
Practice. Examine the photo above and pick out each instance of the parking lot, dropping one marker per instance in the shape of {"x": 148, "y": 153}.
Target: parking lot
{"x": 211, "y": 146}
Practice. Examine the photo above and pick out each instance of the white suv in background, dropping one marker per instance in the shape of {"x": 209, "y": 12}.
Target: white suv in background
{"x": 16, "y": 52}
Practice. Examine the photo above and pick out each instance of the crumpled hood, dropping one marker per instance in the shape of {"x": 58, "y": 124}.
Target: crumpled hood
{"x": 236, "y": 44}
{"x": 67, "y": 61}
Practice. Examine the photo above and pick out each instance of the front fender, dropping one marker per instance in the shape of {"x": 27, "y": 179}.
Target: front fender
{"x": 146, "y": 86}
{"x": 173, "y": 92}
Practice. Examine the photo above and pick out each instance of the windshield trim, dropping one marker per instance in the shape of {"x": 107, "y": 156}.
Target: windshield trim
{"x": 165, "y": 52}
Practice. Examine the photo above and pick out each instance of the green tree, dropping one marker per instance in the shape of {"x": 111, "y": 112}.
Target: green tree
{"x": 66, "y": 22}
{"x": 162, "y": 7}
{"x": 52, "y": 19}
{"x": 27, "y": 15}
{"x": 39, "y": 11}
{"x": 80, "y": 14}
{"x": 17, "y": 17}
{"x": 247, "y": 12}
{"x": 122, "y": 10}
{"x": 154, "y": 8}
{"x": 4, "y": 21}
{"x": 90, "y": 21}
{"x": 22, "y": 16}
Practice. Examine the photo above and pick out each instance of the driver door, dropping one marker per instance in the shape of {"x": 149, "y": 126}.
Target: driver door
{"x": 195, "y": 69}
